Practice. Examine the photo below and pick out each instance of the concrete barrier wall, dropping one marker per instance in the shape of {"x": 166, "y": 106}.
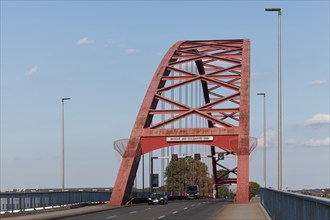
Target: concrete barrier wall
{"x": 286, "y": 205}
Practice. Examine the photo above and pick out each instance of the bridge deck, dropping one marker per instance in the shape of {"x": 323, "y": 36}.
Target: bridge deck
{"x": 225, "y": 210}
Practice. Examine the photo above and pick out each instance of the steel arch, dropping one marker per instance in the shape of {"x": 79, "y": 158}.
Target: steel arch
{"x": 224, "y": 76}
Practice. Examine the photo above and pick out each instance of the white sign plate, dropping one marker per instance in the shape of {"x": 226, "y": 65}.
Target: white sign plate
{"x": 189, "y": 138}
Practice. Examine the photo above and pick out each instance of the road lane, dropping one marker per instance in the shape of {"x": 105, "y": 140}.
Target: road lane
{"x": 196, "y": 211}
{"x": 192, "y": 209}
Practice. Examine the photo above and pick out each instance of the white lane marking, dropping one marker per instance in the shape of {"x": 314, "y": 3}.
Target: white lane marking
{"x": 185, "y": 208}
{"x": 175, "y": 212}
{"x": 132, "y": 212}
{"x": 161, "y": 216}
{"x": 114, "y": 216}
{"x": 193, "y": 205}
{"x": 148, "y": 208}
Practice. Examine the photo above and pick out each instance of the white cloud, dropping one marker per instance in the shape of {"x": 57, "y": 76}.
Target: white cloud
{"x": 271, "y": 139}
{"x": 257, "y": 75}
{"x": 84, "y": 41}
{"x": 131, "y": 50}
{"x": 318, "y": 82}
{"x": 318, "y": 142}
{"x": 291, "y": 142}
{"x": 308, "y": 143}
{"x": 318, "y": 119}
{"x": 32, "y": 71}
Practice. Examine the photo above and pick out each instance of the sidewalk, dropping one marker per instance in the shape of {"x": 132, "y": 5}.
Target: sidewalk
{"x": 253, "y": 210}
{"x": 55, "y": 214}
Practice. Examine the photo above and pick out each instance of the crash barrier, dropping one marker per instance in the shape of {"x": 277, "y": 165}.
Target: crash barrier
{"x": 22, "y": 201}
{"x": 29, "y": 201}
{"x": 288, "y": 205}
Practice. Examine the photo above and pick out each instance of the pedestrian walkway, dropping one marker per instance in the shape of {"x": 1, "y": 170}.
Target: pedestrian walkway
{"x": 252, "y": 210}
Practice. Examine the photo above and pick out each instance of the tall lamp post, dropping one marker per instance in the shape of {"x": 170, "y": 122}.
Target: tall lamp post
{"x": 63, "y": 99}
{"x": 279, "y": 98}
{"x": 265, "y": 179}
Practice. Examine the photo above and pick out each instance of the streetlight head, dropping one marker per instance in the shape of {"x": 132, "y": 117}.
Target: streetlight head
{"x": 264, "y": 94}
{"x": 63, "y": 99}
{"x": 273, "y": 9}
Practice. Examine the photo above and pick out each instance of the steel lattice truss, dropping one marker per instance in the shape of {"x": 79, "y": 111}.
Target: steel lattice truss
{"x": 218, "y": 65}
{"x": 201, "y": 88}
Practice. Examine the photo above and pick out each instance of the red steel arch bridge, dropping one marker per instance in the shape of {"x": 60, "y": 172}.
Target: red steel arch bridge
{"x": 199, "y": 95}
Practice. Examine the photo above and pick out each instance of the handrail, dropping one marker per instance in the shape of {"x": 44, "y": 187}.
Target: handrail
{"x": 289, "y": 205}
{"x": 23, "y": 201}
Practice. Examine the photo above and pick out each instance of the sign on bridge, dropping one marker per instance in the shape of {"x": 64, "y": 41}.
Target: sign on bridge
{"x": 189, "y": 138}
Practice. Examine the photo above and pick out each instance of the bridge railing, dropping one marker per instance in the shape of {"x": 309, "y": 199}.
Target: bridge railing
{"x": 22, "y": 201}
{"x": 286, "y": 205}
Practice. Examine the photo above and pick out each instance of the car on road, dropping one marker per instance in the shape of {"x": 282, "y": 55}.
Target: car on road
{"x": 158, "y": 198}
{"x": 192, "y": 192}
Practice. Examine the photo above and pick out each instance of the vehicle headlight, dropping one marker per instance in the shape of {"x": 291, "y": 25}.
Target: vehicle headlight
{"x": 149, "y": 198}
{"x": 161, "y": 198}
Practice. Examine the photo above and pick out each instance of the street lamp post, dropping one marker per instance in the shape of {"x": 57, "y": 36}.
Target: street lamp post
{"x": 63, "y": 99}
{"x": 279, "y": 98}
{"x": 151, "y": 171}
{"x": 265, "y": 179}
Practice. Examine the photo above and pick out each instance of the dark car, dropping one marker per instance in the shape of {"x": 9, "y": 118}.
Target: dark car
{"x": 192, "y": 192}
{"x": 160, "y": 198}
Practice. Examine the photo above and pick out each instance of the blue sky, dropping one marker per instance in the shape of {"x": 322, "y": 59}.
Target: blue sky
{"x": 103, "y": 55}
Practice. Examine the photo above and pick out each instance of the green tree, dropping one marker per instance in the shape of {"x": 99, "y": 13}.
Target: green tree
{"x": 223, "y": 190}
{"x": 253, "y": 188}
{"x": 222, "y": 174}
{"x": 187, "y": 171}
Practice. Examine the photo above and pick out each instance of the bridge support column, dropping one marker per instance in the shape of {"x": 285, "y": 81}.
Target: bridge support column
{"x": 243, "y": 153}
{"x": 125, "y": 178}
{"x": 242, "y": 190}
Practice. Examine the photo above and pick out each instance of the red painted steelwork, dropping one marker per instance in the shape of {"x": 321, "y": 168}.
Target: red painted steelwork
{"x": 153, "y": 143}
{"x": 242, "y": 190}
{"x": 222, "y": 74}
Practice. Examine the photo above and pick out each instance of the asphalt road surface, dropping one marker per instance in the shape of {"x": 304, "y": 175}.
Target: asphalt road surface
{"x": 192, "y": 209}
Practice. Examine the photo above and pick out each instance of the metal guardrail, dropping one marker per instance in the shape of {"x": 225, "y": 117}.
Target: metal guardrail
{"x": 286, "y": 205}
{"x": 10, "y": 202}
{"x": 29, "y": 201}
